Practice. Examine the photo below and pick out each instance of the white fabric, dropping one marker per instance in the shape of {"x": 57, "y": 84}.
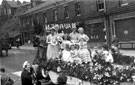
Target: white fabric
{"x": 108, "y": 56}
{"x": 52, "y": 50}
{"x": 66, "y": 56}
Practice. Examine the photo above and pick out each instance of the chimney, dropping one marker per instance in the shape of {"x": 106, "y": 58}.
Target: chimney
{"x": 18, "y": 2}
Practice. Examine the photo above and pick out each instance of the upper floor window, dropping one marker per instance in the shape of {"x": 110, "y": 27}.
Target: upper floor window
{"x": 77, "y": 9}
{"x": 100, "y": 5}
{"x": 55, "y": 15}
{"x": 123, "y": 2}
{"x": 45, "y": 18}
{"x": 66, "y": 12}
{"x": 9, "y": 11}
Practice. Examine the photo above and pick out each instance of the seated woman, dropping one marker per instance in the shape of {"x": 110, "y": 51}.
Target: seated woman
{"x": 107, "y": 55}
{"x": 65, "y": 54}
{"x": 74, "y": 54}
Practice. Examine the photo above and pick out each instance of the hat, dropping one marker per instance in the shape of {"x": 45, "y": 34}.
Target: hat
{"x": 56, "y": 25}
{"x": 25, "y": 63}
{"x": 80, "y": 29}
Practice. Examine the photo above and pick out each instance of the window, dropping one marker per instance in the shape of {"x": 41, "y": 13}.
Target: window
{"x": 77, "y": 9}
{"x": 66, "y": 12}
{"x": 9, "y": 11}
{"x": 55, "y": 15}
{"x": 45, "y": 18}
{"x": 100, "y": 5}
{"x": 37, "y": 18}
{"x": 123, "y": 2}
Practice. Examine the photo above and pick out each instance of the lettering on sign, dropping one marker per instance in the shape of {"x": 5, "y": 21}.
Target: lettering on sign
{"x": 61, "y": 26}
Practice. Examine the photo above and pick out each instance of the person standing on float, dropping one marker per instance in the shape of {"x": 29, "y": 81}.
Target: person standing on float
{"x": 59, "y": 34}
{"x": 83, "y": 51}
{"x": 74, "y": 35}
{"x": 52, "y": 49}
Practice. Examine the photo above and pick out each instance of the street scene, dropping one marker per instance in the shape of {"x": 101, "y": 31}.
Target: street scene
{"x": 67, "y": 42}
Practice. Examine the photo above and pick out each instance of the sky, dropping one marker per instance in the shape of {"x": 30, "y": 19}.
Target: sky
{"x": 16, "y": 0}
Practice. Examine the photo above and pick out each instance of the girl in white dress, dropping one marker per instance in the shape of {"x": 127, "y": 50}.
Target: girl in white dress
{"x": 53, "y": 47}
{"x": 74, "y": 54}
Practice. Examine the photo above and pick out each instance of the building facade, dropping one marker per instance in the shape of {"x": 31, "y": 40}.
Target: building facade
{"x": 103, "y": 19}
{"x": 9, "y": 8}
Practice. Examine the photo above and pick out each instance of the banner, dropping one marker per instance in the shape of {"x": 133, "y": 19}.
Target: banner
{"x": 61, "y": 26}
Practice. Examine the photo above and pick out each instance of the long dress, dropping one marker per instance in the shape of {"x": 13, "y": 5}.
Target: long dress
{"x": 52, "y": 49}
{"x": 83, "y": 51}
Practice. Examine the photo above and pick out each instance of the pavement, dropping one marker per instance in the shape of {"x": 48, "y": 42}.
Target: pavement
{"x": 25, "y": 47}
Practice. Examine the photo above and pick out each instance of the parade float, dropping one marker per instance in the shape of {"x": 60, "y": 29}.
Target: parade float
{"x": 99, "y": 73}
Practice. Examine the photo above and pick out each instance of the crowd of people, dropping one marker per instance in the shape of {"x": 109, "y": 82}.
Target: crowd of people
{"x": 38, "y": 75}
{"x": 67, "y": 47}
{"x": 72, "y": 47}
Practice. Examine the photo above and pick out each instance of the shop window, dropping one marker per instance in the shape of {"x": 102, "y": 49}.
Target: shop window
{"x": 55, "y": 15}
{"x": 66, "y": 12}
{"x": 45, "y": 18}
{"x": 100, "y": 5}
{"x": 78, "y": 9}
{"x": 123, "y": 2}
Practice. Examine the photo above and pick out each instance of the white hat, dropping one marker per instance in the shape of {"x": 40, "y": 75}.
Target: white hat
{"x": 25, "y": 63}
{"x": 80, "y": 29}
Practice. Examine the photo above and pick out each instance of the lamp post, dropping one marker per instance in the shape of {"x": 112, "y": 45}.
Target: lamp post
{"x": 107, "y": 25}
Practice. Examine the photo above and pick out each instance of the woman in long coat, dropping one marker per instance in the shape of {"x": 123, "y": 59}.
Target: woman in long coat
{"x": 26, "y": 76}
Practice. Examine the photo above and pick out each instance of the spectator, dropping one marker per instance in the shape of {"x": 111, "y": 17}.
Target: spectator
{"x": 5, "y": 79}
{"x": 26, "y": 76}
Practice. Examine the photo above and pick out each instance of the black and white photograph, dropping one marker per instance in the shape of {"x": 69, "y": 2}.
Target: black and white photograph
{"x": 67, "y": 42}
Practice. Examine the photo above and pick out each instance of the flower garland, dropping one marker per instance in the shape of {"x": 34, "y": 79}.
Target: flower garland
{"x": 100, "y": 73}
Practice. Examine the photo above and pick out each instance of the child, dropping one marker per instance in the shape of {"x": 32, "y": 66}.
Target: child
{"x": 66, "y": 56}
{"x": 74, "y": 54}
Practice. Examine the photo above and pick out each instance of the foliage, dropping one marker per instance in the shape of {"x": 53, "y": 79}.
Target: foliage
{"x": 100, "y": 72}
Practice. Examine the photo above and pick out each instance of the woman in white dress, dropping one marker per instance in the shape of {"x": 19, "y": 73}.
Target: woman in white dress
{"x": 53, "y": 47}
{"x": 74, "y": 36}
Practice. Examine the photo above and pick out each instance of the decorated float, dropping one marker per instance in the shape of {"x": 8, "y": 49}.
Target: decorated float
{"x": 98, "y": 73}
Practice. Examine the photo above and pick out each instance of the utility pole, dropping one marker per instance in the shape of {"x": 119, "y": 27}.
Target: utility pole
{"x": 107, "y": 25}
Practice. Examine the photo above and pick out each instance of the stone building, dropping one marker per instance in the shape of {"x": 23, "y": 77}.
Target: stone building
{"x": 103, "y": 19}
